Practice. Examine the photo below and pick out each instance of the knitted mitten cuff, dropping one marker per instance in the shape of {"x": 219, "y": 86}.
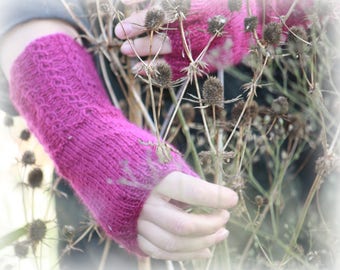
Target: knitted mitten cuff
{"x": 111, "y": 164}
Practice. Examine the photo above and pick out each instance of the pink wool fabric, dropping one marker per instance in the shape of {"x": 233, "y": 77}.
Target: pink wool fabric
{"x": 110, "y": 163}
{"x": 230, "y": 48}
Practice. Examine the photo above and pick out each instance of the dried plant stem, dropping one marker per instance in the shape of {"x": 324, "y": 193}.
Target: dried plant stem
{"x": 187, "y": 135}
{"x": 272, "y": 195}
{"x": 250, "y": 98}
{"x": 105, "y": 254}
{"x": 144, "y": 263}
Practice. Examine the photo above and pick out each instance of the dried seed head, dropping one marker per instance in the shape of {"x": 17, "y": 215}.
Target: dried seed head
{"x": 8, "y": 121}
{"x": 69, "y": 232}
{"x": 272, "y": 33}
{"x": 188, "y": 112}
{"x": 37, "y": 231}
{"x": 21, "y": 249}
{"x": 28, "y": 158}
{"x": 237, "y": 110}
{"x": 252, "y": 111}
{"x": 280, "y": 105}
{"x": 234, "y": 5}
{"x": 297, "y": 38}
{"x": 35, "y": 178}
{"x": 154, "y": 19}
{"x": 176, "y": 8}
{"x": 216, "y": 25}
{"x": 250, "y": 23}
{"x": 259, "y": 200}
{"x": 162, "y": 75}
{"x": 212, "y": 92}
{"x": 25, "y": 135}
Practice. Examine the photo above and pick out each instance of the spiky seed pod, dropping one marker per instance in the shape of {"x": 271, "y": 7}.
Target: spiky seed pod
{"x": 69, "y": 232}
{"x": 259, "y": 200}
{"x": 35, "y": 178}
{"x": 188, "y": 112}
{"x": 237, "y": 110}
{"x": 250, "y": 23}
{"x": 25, "y": 135}
{"x": 280, "y": 105}
{"x": 163, "y": 75}
{"x": 216, "y": 25}
{"x": 154, "y": 19}
{"x": 296, "y": 39}
{"x": 37, "y": 231}
{"x": 176, "y": 8}
{"x": 28, "y": 158}
{"x": 8, "y": 121}
{"x": 21, "y": 249}
{"x": 212, "y": 92}
{"x": 272, "y": 33}
{"x": 234, "y": 5}
{"x": 252, "y": 111}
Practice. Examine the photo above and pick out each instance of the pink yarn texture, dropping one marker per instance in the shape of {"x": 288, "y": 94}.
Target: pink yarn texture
{"x": 230, "y": 48}
{"x": 110, "y": 163}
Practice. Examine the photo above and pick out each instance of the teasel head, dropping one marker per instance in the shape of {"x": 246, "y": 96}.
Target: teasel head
{"x": 280, "y": 105}
{"x": 216, "y": 25}
{"x": 28, "y": 158}
{"x": 234, "y": 5}
{"x": 176, "y": 9}
{"x": 8, "y": 121}
{"x": 21, "y": 249}
{"x": 272, "y": 33}
{"x": 25, "y": 134}
{"x": 250, "y": 23}
{"x": 297, "y": 40}
{"x": 35, "y": 178}
{"x": 37, "y": 231}
{"x": 162, "y": 75}
{"x": 154, "y": 19}
{"x": 213, "y": 92}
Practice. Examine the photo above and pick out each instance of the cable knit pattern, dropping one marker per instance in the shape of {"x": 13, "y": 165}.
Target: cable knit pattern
{"x": 234, "y": 44}
{"x": 110, "y": 163}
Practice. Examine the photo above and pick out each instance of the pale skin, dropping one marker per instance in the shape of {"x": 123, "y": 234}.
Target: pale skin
{"x": 165, "y": 230}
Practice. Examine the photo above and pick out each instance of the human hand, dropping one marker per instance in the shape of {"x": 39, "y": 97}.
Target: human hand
{"x": 167, "y": 231}
{"x": 132, "y": 27}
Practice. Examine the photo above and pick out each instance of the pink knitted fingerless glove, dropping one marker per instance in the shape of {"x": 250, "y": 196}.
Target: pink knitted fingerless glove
{"x": 231, "y": 47}
{"x": 111, "y": 164}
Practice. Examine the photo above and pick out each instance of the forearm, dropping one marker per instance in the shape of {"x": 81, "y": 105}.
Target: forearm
{"x": 15, "y": 41}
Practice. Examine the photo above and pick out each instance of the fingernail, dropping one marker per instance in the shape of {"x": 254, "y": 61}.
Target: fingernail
{"x": 123, "y": 30}
{"x": 221, "y": 234}
{"x": 206, "y": 254}
{"x": 126, "y": 49}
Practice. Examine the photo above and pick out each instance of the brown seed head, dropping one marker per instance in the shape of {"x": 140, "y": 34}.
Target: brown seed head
{"x": 25, "y": 135}
{"x": 272, "y": 33}
{"x": 162, "y": 75}
{"x": 37, "y": 231}
{"x": 154, "y": 19}
{"x": 28, "y": 158}
{"x": 250, "y": 23}
{"x": 35, "y": 178}
{"x": 296, "y": 39}
{"x": 21, "y": 249}
{"x": 8, "y": 121}
{"x": 280, "y": 105}
{"x": 212, "y": 91}
{"x": 216, "y": 25}
{"x": 188, "y": 112}
{"x": 234, "y": 5}
{"x": 176, "y": 8}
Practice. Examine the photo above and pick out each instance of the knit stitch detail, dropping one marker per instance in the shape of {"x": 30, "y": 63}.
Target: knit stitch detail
{"x": 111, "y": 163}
{"x": 234, "y": 43}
